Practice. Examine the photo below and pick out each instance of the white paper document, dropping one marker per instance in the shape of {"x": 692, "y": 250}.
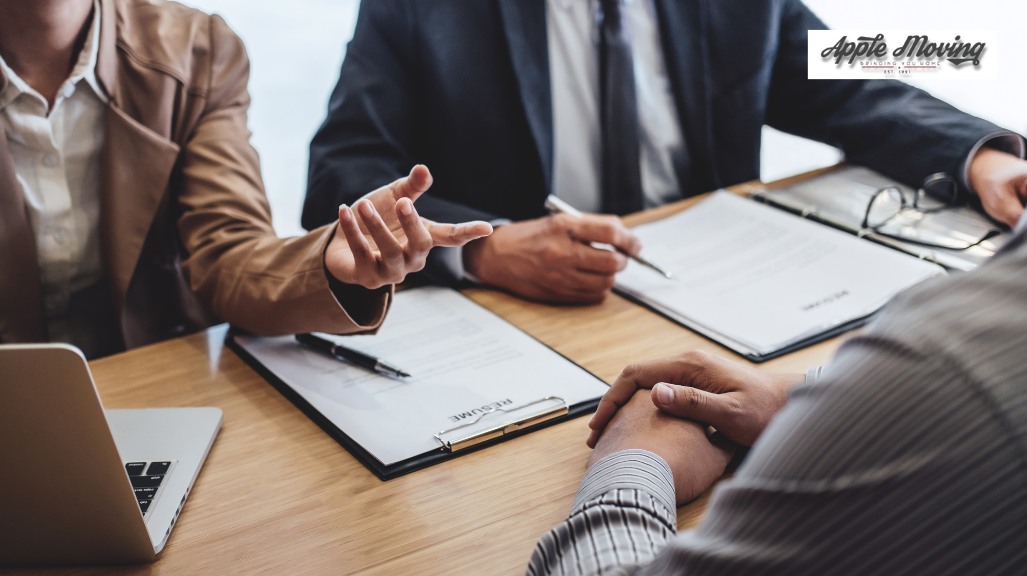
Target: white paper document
{"x": 463, "y": 360}
{"x": 758, "y": 279}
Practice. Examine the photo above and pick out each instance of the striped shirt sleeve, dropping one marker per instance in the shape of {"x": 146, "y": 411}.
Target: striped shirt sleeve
{"x": 908, "y": 455}
{"x": 623, "y": 514}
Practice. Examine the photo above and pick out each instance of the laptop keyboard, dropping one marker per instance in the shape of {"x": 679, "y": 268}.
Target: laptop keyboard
{"x": 146, "y": 479}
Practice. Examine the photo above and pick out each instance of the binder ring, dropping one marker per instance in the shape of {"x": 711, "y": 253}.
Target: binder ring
{"x": 505, "y": 428}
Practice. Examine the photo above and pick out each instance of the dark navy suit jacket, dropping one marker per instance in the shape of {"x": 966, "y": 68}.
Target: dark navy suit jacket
{"x": 463, "y": 87}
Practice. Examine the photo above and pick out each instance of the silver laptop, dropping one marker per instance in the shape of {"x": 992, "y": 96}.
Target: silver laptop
{"x": 84, "y": 485}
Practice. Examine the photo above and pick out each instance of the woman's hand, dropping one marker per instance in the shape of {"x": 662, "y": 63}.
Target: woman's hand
{"x": 382, "y": 239}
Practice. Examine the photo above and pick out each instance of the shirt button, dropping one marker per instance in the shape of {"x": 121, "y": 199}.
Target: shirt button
{"x": 61, "y": 237}
{"x": 50, "y": 160}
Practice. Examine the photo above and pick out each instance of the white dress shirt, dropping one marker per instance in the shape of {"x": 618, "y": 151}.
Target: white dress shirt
{"x": 573, "y": 36}
{"x": 573, "y": 39}
{"x": 56, "y": 155}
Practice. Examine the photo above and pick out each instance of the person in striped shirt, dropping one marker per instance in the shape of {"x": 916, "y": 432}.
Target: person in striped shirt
{"x": 907, "y": 455}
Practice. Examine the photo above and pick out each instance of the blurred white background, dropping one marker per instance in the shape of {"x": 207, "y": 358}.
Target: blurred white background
{"x": 296, "y": 49}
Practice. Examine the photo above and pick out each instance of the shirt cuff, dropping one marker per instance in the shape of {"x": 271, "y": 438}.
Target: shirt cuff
{"x": 452, "y": 257}
{"x": 1005, "y": 141}
{"x": 631, "y": 470}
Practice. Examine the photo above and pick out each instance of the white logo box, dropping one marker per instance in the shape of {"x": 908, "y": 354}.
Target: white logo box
{"x": 870, "y": 61}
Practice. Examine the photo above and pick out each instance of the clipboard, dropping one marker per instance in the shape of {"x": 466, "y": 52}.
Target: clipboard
{"x": 442, "y": 454}
{"x": 530, "y": 415}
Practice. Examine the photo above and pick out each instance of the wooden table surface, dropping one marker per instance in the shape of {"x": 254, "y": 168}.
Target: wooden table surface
{"x": 278, "y": 496}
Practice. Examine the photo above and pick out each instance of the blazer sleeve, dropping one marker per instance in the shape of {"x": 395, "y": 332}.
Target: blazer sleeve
{"x": 234, "y": 261}
{"x": 369, "y": 136}
{"x": 887, "y": 125}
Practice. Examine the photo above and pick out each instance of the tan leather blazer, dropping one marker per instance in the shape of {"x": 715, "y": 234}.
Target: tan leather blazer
{"x": 185, "y": 225}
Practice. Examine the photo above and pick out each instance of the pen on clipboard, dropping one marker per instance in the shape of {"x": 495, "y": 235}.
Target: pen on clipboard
{"x": 342, "y": 353}
{"x": 554, "y": 204}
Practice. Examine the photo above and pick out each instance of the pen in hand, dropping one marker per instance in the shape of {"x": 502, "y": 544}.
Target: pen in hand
{"x": 342, "y": 353}
{"x": 554, "y": 204}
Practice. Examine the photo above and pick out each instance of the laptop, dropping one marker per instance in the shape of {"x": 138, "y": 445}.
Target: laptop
{"x": 84, "y": 485}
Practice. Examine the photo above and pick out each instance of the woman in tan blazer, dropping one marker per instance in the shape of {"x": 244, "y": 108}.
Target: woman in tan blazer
{"x": 180, "y": 221}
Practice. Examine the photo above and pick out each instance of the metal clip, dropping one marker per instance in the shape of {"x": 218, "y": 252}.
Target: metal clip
{"x": 504, "y": 428}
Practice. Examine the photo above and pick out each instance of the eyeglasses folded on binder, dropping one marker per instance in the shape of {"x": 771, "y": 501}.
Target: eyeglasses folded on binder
{"x": 922, "y": 217}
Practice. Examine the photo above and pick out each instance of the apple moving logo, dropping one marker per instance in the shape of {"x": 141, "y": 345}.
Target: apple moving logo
{"x": 915, "y": 46}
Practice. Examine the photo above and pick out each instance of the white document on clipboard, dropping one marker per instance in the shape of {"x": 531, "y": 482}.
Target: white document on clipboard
{"x": 464, "y": 361}
{"x": 759, "y": 280}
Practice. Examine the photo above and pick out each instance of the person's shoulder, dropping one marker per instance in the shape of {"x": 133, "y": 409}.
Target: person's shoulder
{"x": 950, "y": 313}
{"x": 177, "y": 40}
{"x": 976, "y": 322}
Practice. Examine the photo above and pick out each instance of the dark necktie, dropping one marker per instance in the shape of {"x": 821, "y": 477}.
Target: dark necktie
{"x": 621, "y": 173}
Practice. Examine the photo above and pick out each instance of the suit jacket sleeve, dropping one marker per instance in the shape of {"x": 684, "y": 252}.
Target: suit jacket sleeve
{"x": 887, "y": 125}
{"x": 234, "y": 261}
{"x": 369, "y": 136}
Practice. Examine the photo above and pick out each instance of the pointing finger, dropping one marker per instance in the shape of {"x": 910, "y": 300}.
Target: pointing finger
{"x": 457, "y": 234}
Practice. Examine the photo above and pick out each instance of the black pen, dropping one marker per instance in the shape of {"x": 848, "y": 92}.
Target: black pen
{"x": 342, "y": 353}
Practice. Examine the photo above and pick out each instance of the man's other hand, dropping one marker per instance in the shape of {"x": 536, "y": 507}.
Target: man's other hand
{"x": 383, "y": 239}
{"x": 550, "y": 259}
{"x": 736, "y": 399}
{"x": 694, "y": 460}
{"x": 1000, "y": 180}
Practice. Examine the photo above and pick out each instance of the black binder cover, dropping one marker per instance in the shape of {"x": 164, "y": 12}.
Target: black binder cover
{"x": 759, "y": 358}
{"x": 404, "y": 467}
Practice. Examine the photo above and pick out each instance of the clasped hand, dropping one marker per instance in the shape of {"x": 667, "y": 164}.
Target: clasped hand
{"x": 383, "y": 239}
{"x": 736, "y": 399}
{"x": 664, "y": 406}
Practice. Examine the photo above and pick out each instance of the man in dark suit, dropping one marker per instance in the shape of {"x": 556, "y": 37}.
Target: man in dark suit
{"x": 613, "y": 105}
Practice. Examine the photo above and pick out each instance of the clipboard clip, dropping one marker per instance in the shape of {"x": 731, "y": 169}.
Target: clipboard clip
{"x": 505, "y": 428}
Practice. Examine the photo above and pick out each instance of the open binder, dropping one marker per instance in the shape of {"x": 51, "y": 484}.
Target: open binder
{"x": 839, "y": 199}
{"x": 417, "y": 438}
{"x": 763, "y": 282}
{"x": 749, "y": 355}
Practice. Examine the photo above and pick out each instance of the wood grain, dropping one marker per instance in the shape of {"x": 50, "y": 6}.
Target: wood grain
{"x": 278, "y": 496}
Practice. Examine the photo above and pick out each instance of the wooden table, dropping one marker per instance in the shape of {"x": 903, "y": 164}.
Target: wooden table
{"x": 278, "y": 496}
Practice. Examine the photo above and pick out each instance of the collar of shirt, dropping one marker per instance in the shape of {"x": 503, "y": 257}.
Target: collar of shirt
{"x": 84, "y": 69}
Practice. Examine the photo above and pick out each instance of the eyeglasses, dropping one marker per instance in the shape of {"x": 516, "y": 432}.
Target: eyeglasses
{"x": 898, "y": 214}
